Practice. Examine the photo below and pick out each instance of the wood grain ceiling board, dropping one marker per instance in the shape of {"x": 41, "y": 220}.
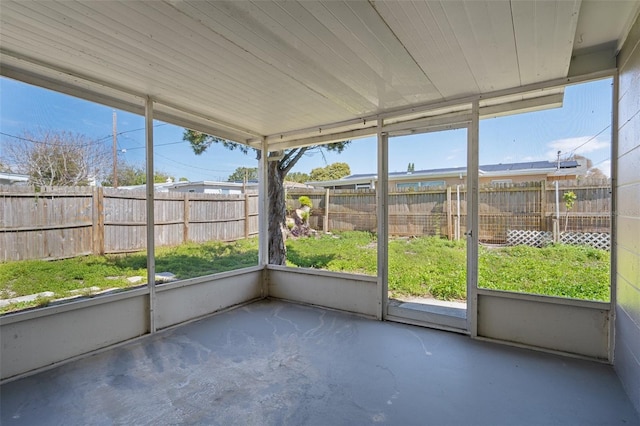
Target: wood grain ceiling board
{"x": 135, "y": 47}
{"x": 544, "y": 33}
{"x": 424, "y": 29}
{"x": 393, "y": 70}
{"x": 239, "y": 85}
{"x": 484, "y": 31}
{"x": 273, "y": 67}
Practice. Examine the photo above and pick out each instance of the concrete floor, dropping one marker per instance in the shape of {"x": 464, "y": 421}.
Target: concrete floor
{"x": 275, "y": 363}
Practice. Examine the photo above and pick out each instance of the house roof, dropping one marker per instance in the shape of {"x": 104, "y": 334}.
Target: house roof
{"x": 13, "y": 177}
{"x": 216, "y": 184}
{"x": 501, "y": 169}
{"x": 299, "y": 73}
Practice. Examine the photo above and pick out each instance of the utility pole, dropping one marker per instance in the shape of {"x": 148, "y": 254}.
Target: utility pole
{"x": 115, "y": 151}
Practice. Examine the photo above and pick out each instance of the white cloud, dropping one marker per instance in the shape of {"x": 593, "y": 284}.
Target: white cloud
{"x": 582, "y": 145}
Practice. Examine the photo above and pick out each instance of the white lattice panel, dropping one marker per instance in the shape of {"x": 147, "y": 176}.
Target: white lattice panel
{"x": 541, "y": 238}
{"x": 517, "y": 237}
{"x": 593, "y": 239}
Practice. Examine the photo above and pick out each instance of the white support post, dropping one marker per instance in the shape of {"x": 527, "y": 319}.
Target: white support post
{"x": 325, "y": 222}
{"x": 613, "y": 231}
{"x": 458, "y": 211}
{"x": 556, "y": 223}
{"x": 382, "y": 195}
{"x": 473, "y": 193}
{"x": 263, "y": 206}
{"x": 151, "y": 257}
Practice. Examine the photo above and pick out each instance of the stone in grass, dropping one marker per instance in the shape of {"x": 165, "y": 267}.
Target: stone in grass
{"x": 134, "y": 280}
{"x": 85, "y": 290}
{"x": 165, "y": 277}
{"x": 28, "y": 298}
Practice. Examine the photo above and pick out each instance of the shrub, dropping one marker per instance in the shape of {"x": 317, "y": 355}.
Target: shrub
{"x": 305, "y": 201}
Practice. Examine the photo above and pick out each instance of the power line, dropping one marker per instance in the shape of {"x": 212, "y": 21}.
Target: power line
{"x": 191, "y": 165}
{"x": 160, "y": 144}
{"x": 573, "y": 151}
{"x": 130, "y": 131}
{"x": 94, "y": 142}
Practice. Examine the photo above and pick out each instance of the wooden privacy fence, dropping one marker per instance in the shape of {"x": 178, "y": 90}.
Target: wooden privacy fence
{"x": 411, "y": 213}
{"x": 61, "y": 222}
{"x": 443, "y": 211}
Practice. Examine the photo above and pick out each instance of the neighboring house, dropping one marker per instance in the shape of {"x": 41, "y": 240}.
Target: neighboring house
{"x": 13, "y": 179}
{"x": 534, "y": 171}
{"x": 295, "y": 185}
{"x": 211, "y": 187}
{"x": 158, "y": 187}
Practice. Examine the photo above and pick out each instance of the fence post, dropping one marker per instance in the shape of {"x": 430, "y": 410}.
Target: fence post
{"x": 449, "y": 222}
{"x": 556, "y": 230}
{"x": 98, "y": 220}
{"x": 246, "y": 215}
{"x": 543, "y": 206}
{"x": 325, "y": 223}
{"x": 186, "y": 213}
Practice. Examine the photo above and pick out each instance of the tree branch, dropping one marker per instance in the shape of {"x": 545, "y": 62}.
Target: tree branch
{"x": 287, "y": 162}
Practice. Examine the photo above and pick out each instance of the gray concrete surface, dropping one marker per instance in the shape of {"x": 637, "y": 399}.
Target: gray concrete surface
{"x": 275, "y": 363}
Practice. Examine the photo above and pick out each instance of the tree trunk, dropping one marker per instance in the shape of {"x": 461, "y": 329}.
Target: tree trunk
{"x": 277, "y": 215}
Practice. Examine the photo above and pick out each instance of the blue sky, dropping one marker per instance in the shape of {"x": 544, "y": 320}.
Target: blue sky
{"x": 523, "y": 137}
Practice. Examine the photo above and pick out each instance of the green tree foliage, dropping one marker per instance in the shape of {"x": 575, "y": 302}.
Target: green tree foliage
{"x": 298, "y": 177}
{"x": 242, "y": 173}
{"x": 331, "y": 172}
{"x": 131, "y": 175}
{"x": 58, "y": 158}
{"x": 283, "y": 162}
{"x": 411, "y": 167}
{"x": 569, "y": 199}
{"x": 305, "y": 201}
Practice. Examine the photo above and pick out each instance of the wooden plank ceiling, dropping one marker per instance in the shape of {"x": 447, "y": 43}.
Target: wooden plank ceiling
{"x": 265, "y": 68}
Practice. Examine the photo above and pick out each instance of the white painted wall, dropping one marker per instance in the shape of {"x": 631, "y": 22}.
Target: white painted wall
{"x": 185, "y": 300}
{"x": 627, "y": 248}
{"x": 347, "y": 292}
{"x": 44, "y": 337}
{"x": 576, "y": 327}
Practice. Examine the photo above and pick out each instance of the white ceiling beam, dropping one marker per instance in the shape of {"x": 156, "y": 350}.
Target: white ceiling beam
{"x": 453, "y": 119}
{"x": 593, "y": 60}
{"x": 323, "y": 139}
{"x": 522, "y": 106}
{"x": 301, "y": 138}
{"x": 31, "y": 71}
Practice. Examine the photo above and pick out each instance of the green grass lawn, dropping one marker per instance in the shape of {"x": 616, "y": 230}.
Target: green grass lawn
{"x": 427, "y": 267}
{"x": 62, "y": 277}
{"x": 437, "y": 267}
